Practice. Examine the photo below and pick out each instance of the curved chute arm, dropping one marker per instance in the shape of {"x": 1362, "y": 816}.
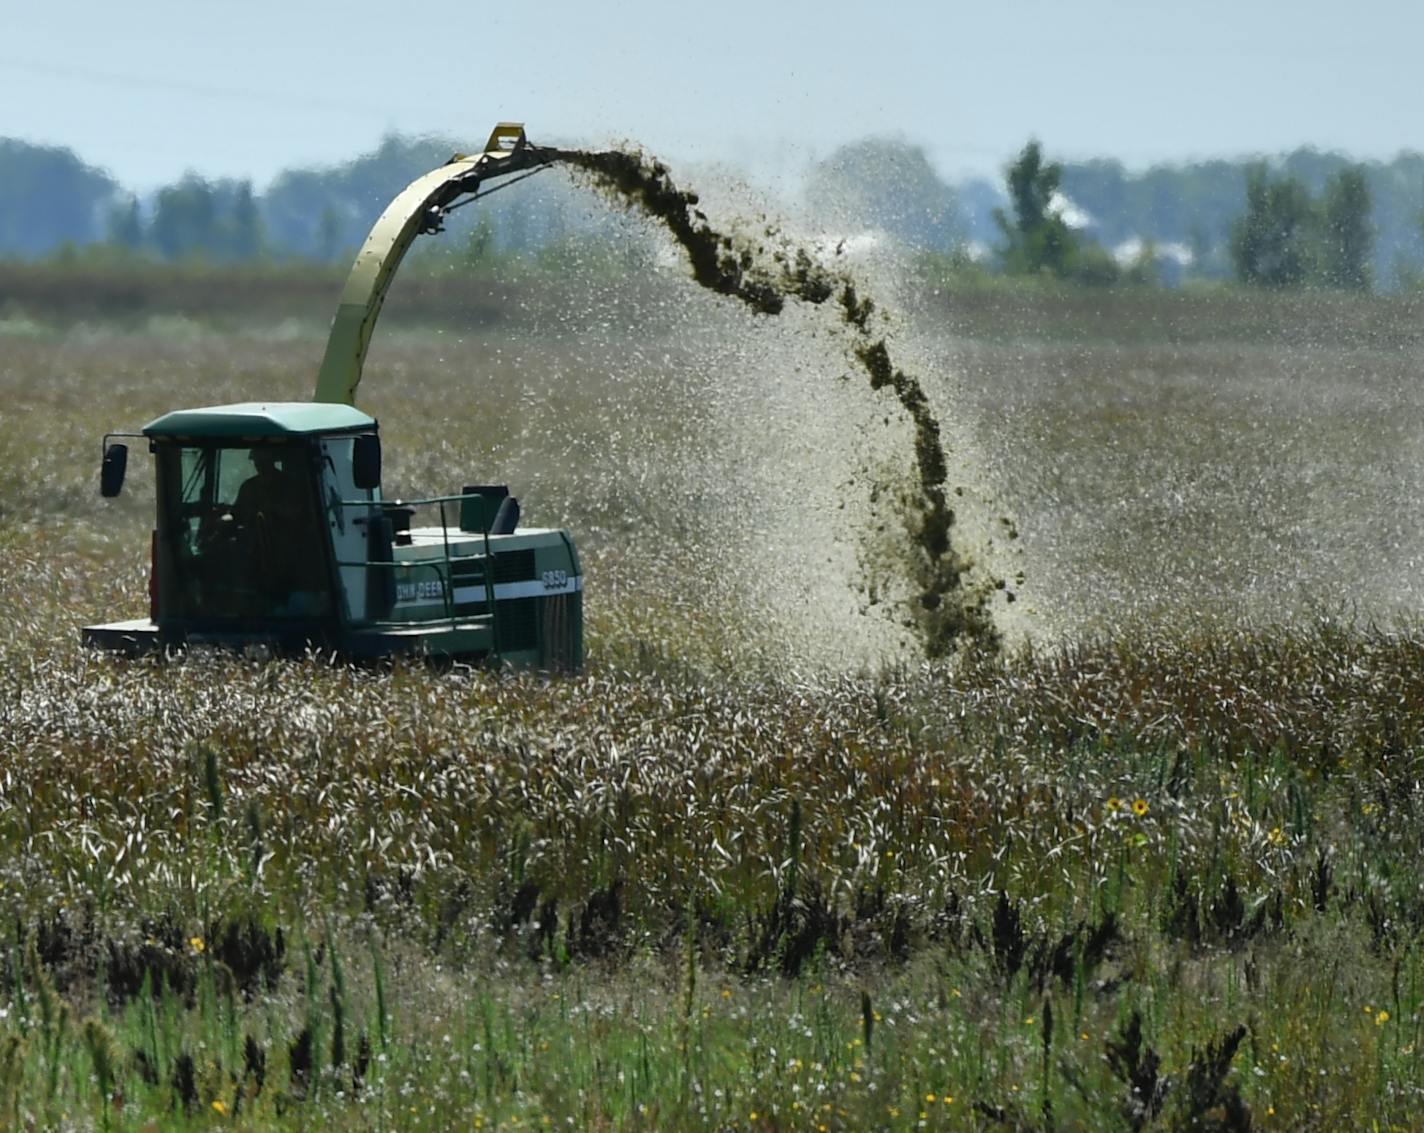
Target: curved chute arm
{"x": 418, "y": 209}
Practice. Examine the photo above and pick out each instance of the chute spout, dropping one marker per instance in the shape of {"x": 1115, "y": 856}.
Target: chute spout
{"x": 419, "y": 209}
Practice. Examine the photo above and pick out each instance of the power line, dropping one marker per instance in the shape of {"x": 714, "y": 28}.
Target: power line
{"x": 278, "y": 99}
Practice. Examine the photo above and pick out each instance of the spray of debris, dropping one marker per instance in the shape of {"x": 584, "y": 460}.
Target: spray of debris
{"x": 951, "y": 608}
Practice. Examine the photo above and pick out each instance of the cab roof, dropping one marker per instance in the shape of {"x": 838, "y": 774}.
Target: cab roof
{"x": 253, "y": 419}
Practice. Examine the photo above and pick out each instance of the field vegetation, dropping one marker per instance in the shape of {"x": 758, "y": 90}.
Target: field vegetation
{"x": 758, "y": 867}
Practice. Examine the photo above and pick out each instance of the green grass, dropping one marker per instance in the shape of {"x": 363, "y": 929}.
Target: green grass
{"x": 637, "y": 846}
{"x": 756, "y": 868}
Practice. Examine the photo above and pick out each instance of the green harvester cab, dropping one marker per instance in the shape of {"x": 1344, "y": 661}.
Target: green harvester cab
{"x": 272, "y": 531}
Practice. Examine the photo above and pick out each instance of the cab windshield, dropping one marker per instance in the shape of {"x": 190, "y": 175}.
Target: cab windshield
{"x": 240, "y": 532}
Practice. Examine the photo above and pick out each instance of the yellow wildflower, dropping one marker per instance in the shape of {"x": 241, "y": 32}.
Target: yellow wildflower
{"x": 1139, "y": 807}
{"x": 219, "y": 1108}
{"x": 197, "y": 944}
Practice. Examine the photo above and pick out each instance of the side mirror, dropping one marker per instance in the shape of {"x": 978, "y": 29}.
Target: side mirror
{"x": 366, "y": 462}
{"x": 111, "y": 472}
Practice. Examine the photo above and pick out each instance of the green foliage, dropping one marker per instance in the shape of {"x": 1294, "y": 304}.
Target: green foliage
{"x": 49, "y": 197}
{"x": 329, "y": 248}
{"x": 1094, "y": 266}
{"x": 995, "y": 849}
{"x": 1038, "y": 239}
{"x": 1347, "y": 236}
{"x": 184, "y": 220}
{"x": 954, "y": 851}
{"x": 195, "y": 219}
{"x": 1286, "y": 239}
{"x": 104, "y": 1057}
{"x": 1197, "y": 205}
{"x": 1272, "y": 243}
{"x": 479, "y": 244}
{"x": 1193, "y": 205}
{"x": 242, "y": 233}
{"x": 126, "y": 225}
{"x": 324, "y": 213}
{"x": 320, "y": 213}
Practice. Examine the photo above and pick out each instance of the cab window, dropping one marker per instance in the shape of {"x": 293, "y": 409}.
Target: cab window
{"x": 241, "y": 531}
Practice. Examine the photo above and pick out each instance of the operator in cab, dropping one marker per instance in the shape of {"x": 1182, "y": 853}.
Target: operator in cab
{"x": 260, "y": 494}
{"x": 274, "y": 516}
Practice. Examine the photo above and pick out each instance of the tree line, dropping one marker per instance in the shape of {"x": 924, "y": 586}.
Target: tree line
{"x": 1309, "y": 219}
{"x": 1286, "y": 237}
{"x": 51, "y": 200}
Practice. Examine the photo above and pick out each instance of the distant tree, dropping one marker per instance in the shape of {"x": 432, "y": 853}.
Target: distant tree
{"x": 1146, "y": 268}
{"x": 1397, "y": 200}
{"x": 328, "y": 240}
{"x": 1347, "y": 237}
{"x": 48, "y": 197}
{"x": 1271, "y": 244}
{"x": 185, "y": 220}
{"x": 242, "y": 227}
{"x": 1038, "y": 238}
{"x": 1313, "y": 168}
{"x": 887, "y": 184}
{"x": 126, "y": 225}
{"x": 323, "y": 213}
{"x": 479, "y": 245}
{"x": 1288, "y": 239}
{"x": 1178, "y": 208}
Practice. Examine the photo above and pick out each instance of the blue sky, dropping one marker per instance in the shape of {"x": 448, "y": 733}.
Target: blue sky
{"x": 150, "y": 88}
